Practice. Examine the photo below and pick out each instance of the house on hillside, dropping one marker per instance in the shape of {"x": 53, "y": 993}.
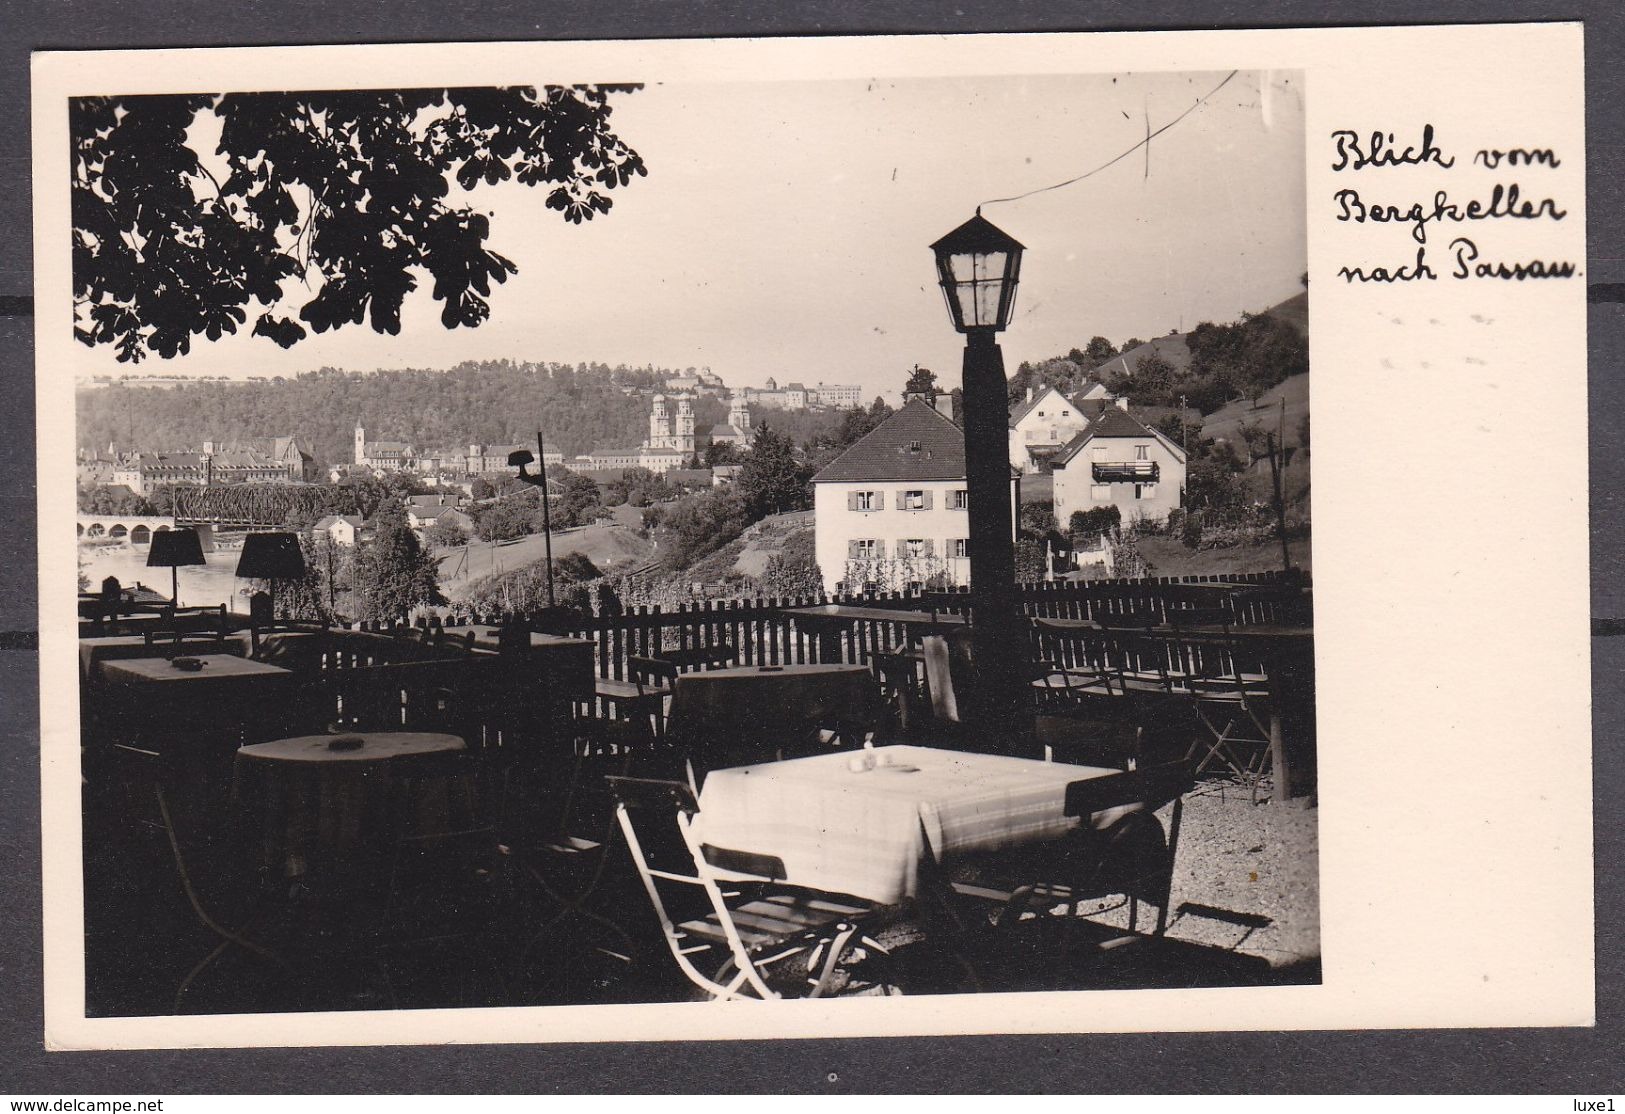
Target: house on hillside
{"x": 425, "y": 516}
{"x": 1041, "y": 426}
{"x": 890, "y": 512}
{"x": 341, "y": 529}
{"x": 1119, "y": 461}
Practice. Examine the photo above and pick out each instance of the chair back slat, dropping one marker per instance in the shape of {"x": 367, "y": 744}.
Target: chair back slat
{"x": 1149, "y": 785}
{"x": 652, "y": 793}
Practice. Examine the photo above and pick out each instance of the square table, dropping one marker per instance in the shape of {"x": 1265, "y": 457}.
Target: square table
{"x": 218, "y": 670}
{"x": 864, "y": 833}
{"x": 94, "y": 652}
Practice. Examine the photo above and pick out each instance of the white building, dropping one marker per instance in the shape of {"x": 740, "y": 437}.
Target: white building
{"x": 841, "y": 395}
{"x": 343, "y": 529}
{"x": 1041, "y": 426}
{"x": 382, "y": 456}
{"x": 890, "y": 512}
{"x": 1119, "y": 461}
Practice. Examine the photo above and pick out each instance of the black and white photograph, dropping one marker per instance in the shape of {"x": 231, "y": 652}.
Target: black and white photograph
{"x": 632, "y": 543}
{"x": 673, "y": 537}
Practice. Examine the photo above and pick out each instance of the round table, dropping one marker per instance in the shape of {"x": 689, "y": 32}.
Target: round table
{"x": 341, "y": 812}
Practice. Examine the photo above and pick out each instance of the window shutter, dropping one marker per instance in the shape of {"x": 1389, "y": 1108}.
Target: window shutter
{"x": 851, "y": 500}
{"x": 852, "y": 551}
{"x": 928, "y": 498}
{"x": 930, "y": 548}
{"x": 880, "y": 551}
{"x": 902, "y": 499}
{"x": 880, "y": 500}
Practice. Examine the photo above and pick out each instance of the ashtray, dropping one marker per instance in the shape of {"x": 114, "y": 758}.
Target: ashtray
{"x": 191, "y": 665}
{"x": 346, "y": 742}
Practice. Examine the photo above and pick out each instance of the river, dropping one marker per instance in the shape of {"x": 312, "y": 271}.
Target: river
{"x": 200, "y": 585}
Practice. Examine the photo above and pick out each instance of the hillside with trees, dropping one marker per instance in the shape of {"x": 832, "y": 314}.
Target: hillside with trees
{"x": 581, "y": 407}
{"x": 1207, "y": 367}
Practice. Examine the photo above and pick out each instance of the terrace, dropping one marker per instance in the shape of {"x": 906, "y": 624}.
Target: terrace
{"x": 286, "y": 816}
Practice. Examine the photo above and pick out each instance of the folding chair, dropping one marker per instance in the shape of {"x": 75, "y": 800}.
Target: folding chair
{"x": 1232, "y": 704}
{"x": 1129, "y": 857}
{"x": 747, "y": 937}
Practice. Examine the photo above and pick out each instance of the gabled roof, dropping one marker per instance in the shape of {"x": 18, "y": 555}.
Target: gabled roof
{"x": 1113, "y": 423}
{"x": 326, "y": 522}
{"x": 916, "y": 443}
{"x": 1033, "y": 403}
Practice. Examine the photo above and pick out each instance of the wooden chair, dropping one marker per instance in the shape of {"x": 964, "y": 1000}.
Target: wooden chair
{"x": 693, "y": 658}
{"x": 209, "y": 843}
{"x": 1129, "y": 857}
{"x": 198, "y": 629}
{"x": 1232, "y": 703}
{"x": 737, "y": 942}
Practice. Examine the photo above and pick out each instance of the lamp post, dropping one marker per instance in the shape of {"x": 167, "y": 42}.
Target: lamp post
{"x": 518, "y": 459}
{"x": 978, "y": 266}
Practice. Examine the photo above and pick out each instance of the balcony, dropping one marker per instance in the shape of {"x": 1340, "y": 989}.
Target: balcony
{"x": 1125, "y": 471}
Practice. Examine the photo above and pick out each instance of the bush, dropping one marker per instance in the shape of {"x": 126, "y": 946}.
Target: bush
{"x": 1095, "y": 521}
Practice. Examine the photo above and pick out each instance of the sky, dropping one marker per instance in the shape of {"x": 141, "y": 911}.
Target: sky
{"x": 784, "y": 228}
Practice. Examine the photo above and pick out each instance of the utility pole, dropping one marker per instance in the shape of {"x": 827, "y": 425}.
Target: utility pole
{"x": 1277, "y": 447}
{"x": 1184, "y": 443}
{"x": 547, "y": 515}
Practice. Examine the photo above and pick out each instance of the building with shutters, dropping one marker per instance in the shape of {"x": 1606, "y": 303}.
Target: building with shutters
{"x": 890, "y": 512}
{"x": 1119, "y": 461}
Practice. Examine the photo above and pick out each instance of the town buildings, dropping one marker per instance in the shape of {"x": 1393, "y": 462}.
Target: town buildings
{"x": 382, "y": 456}
{"x": 792, "y": 396}
{"x": 1119, "y": 461}
{"x": 890, "y": 512}
{"x": 837, "y": 395}
{"x": 215, "y": 463}
{"x": 1041, "y": 426}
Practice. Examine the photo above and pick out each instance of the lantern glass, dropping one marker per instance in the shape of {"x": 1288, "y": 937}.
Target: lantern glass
{"x": 978, "y": 267}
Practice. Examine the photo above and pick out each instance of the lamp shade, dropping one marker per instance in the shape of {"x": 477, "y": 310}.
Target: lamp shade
{"x": 978, "y": 266}
{"x": 271, "y": 556}
{"x": 173, "y": 548}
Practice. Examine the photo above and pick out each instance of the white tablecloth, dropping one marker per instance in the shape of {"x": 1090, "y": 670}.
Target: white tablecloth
{"x": 863, "y": 833}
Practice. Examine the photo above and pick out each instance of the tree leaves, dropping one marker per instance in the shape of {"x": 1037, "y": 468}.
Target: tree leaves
{"x": 345, "y": 190}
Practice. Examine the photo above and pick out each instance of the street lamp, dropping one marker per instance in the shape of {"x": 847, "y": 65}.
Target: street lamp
{"x": 518, "y": 459}
{"x": 978, "y": 266}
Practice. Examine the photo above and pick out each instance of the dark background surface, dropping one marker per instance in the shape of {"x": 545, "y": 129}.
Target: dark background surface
{"x": 1520, "y": 1061}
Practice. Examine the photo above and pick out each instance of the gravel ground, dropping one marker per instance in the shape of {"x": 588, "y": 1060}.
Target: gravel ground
{"x": 1258, "y": 861}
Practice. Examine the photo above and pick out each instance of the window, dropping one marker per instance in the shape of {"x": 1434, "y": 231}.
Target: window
{"x": 1098, "y": 454}
{"x": 865, "y": 549}
{"x": 914, "y": 501}
{"x": 959, "y": 499}
{"x": 1140, "y": 452}
{"x": 912, "y": 547}
{"x": 865, "y": 501}
{"x": 1145, "y": 491}
{"x": 959, "y": 547}
{"x": 1100, "y": 493}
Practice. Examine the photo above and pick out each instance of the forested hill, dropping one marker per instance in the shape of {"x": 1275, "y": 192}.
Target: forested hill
{"x": 580, "y": 408}
{"x": 1207, "y": 367}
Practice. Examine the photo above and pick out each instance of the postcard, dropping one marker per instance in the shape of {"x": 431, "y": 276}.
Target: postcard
{"x": 750, "y": 539}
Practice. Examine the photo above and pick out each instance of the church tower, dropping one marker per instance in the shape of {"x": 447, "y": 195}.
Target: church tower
{"x": 360, "y": 444}
{"x": 739, "y": 415}
{"x": 683, "y": 440}
{"x": 659, "y": 424}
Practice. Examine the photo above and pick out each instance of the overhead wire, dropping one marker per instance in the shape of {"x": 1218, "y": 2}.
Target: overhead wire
{"x": 1150, "y": 135}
